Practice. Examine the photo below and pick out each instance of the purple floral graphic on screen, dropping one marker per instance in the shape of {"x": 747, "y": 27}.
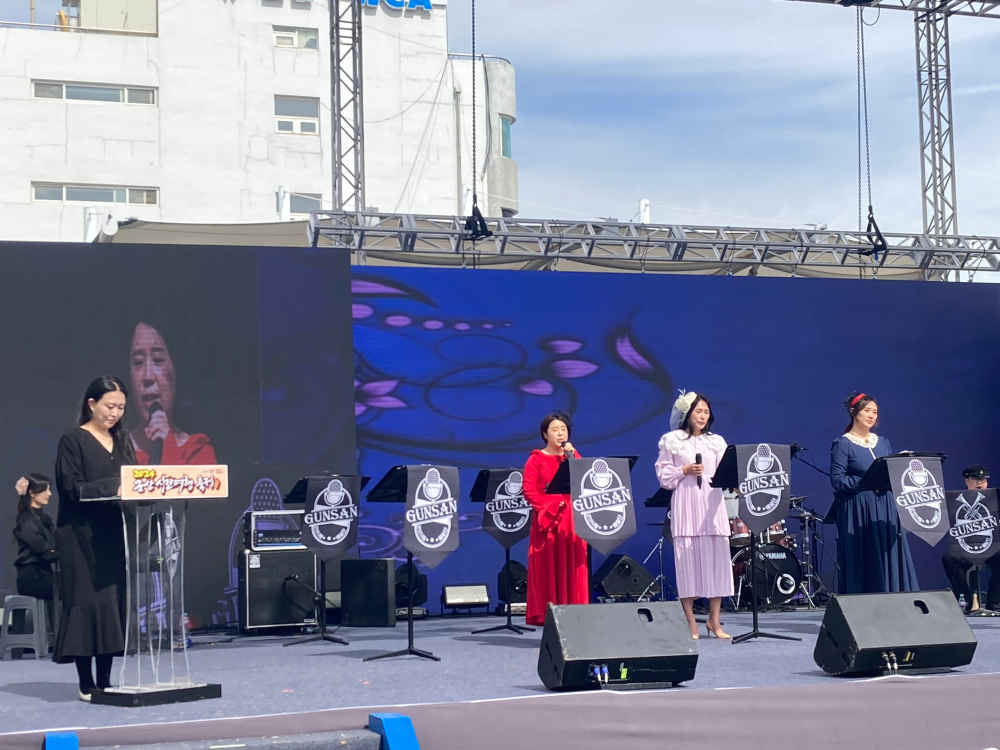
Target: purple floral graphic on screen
{"x": 376, "y": 395}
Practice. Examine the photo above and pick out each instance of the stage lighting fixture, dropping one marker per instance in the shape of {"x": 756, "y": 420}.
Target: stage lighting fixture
{"x": 464, "y": 596}
{"x": 403, "y": 590}
{"x": 518, "y": 593}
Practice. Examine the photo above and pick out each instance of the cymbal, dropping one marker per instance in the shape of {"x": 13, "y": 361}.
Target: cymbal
{"x": 655, "y": 524}
{"x": 799, "y": 498}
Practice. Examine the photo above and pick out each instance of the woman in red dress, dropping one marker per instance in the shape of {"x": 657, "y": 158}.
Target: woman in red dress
{"x": 154, "y": 387}
{"x": 557, "y": 557}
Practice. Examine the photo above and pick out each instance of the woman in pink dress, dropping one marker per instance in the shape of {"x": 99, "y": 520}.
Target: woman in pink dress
{"x": 699, "y": 523}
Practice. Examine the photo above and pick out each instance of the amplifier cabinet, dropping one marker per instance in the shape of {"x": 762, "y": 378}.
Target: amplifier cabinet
{"x": 267, "y": 600}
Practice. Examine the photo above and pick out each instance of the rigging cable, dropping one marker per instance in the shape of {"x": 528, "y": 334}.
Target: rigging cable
{"x": 879, "y": 244}
{"x": 475, "y": 224}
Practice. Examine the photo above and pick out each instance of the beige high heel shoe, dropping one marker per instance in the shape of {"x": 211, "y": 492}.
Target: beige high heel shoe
{"x": 720, "y": 633}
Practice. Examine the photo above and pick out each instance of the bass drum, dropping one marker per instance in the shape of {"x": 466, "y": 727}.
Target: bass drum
{"x": 777, "y": 577}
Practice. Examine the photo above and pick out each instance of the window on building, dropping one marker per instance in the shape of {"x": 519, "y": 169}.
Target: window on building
{"x": 505, "y": 123}
{"x": 289, "y": 36}
{"x": 47, "y": 191}
{"x": 296, "y": 114}
{"x": 93, "y": 93}
{"x": 300, "y": 204}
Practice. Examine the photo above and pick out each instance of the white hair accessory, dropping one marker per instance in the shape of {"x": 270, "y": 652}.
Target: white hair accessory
{"x": 681, "y": 407}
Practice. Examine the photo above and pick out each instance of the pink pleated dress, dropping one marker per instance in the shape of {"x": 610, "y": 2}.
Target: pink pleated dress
{"x": 699, "y": 523}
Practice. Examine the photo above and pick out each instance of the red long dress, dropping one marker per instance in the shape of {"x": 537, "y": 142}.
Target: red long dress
{"x": 557, "y": 557}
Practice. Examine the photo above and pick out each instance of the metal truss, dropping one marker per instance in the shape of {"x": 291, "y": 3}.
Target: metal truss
{"x": 347, "y": 81}
{"x": 937, "y": 147}
{"x": 537, "y": 244}
{"x": 947, "y": 7}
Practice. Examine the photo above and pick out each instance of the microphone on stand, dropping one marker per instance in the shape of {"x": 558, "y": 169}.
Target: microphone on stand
{"x": 156, "y": 448}
{"x": 697, "y": 460}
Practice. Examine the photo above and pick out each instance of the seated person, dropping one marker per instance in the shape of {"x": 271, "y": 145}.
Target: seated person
{"x": 957, "y": 568}
{"x": 34, "y": 533}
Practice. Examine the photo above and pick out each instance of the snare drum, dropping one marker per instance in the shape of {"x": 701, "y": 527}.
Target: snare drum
{"x": 775, "y": 533}
{"x": 739, "y": 534}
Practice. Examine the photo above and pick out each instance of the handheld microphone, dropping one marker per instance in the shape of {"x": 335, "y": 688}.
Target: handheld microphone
{"x": 568, "y": 454}
{"x": 156, "y": 447}
{"x": 697, "y": 460}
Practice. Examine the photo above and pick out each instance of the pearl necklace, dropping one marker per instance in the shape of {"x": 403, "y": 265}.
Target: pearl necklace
{"x": 869, "y": 442}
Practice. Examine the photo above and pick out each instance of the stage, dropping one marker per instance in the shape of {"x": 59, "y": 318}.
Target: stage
{"x": 485, "y": 693}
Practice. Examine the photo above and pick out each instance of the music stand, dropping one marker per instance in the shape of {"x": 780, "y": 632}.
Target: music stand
{"x": 478, "y": 495}
{"x": 560, "y": 485}
{"x": 727, "y": 476}
{"x": 392, "y": 489}
{"x": 876, "y": 479}
{"x": 298, "y": 495}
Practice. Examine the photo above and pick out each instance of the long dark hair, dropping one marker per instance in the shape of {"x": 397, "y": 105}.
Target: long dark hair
{"x": 855, "y": 404}
{"x": 96, "y": 390}
{"x": 36, "y": 483}
{"x": 686, "y": 422}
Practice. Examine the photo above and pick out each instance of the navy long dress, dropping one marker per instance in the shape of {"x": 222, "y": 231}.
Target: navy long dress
{"x": 867, "y": 524}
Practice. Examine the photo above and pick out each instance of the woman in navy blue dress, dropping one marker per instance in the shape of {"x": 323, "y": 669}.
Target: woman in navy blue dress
{"x": 867, "y": 522}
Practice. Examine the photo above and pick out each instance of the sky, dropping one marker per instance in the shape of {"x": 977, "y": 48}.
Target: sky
{"x": 742, "y": 110}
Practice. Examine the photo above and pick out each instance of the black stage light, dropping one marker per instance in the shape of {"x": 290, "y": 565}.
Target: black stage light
{"x": 403, "y": 587}
{"x": 518, "y": 577}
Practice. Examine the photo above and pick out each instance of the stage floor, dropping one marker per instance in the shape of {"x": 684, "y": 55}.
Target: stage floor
{"x": 260, "y": 677}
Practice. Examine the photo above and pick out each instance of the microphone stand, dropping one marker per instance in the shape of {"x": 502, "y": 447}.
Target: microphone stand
{"x": 319, "y": 600}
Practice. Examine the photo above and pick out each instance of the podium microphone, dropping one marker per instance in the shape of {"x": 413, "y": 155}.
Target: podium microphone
{"x": 156, "y": 448}
{"x": 697, "y": 460}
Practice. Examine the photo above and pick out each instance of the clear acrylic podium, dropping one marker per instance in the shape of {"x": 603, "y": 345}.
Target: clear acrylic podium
{"x": 154, "y": 502}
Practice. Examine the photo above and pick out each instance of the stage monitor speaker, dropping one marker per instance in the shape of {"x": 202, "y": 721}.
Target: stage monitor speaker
{"x": 368, "y": 593}
{"x": 916, "y": 632}
{"x": 518, "y": 583}
{"x": 628, "y": 645}
{"x": 267, "y": 600}
{"x": 621, "y": 577}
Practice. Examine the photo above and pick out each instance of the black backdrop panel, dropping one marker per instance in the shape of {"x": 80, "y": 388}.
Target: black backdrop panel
{"x": 71, "y": 312}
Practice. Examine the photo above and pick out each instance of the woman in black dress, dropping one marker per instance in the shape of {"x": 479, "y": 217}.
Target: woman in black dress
{"x": 35, "y": 536}
{"x": 91, "y": 542}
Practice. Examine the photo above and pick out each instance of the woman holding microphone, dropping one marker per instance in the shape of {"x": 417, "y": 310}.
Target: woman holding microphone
{"x": 557, "y": 557}
{"x": 689, "y": 456}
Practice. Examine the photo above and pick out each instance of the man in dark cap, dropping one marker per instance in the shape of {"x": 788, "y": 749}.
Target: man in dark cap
{"x": 959, "y": 570}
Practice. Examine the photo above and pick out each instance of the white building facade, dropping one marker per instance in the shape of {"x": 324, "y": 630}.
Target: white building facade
{"x": 199, "y": 112}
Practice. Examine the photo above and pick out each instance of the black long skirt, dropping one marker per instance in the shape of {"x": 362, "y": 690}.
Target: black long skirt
{"x": 92, "y": 588}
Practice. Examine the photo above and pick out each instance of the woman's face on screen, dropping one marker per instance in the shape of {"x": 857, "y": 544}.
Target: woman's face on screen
{"x": 152, "y": 369}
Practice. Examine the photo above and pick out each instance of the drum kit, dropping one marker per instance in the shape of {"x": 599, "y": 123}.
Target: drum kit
{"x": 780, "y": 575}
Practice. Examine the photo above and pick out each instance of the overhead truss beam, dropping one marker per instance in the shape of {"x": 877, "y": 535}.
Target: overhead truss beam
{"x": 652, "y": 247}
{"x": 947, "y": 7}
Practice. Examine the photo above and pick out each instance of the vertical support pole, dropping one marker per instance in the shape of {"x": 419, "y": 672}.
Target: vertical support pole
{"x": 347, "y": 109}
{"x": 937, "y": 147}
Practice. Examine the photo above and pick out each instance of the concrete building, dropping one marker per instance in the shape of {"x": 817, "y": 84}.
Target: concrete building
{"x": 198, "y": 112}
